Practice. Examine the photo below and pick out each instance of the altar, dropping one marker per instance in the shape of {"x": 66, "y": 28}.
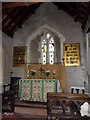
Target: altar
{"x": 36, "y": 84}
{"x": 36, "y": 89}
{"x": 57, "y": 72}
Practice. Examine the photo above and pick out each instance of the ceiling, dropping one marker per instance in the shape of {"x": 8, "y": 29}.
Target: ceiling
{"x": 14, "y": 14}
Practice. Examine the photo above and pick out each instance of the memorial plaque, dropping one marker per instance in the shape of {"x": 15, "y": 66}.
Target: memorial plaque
{"x": 19, "y": 56}
{"x": 72, "y": 54}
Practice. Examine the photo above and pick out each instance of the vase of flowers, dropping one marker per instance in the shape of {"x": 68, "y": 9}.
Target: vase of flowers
{"x": 47, "y": 73}
{"x": 32, "y": 73}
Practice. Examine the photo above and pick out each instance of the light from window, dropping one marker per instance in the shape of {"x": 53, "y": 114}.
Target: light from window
{"x": 47, "y": 47}
{"x": 44, "y": 50}
{"x": 51, "y": 51}
{"x": 48, "y": 35}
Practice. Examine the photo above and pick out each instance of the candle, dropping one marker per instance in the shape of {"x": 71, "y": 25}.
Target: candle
{"x": 54, "y": 71}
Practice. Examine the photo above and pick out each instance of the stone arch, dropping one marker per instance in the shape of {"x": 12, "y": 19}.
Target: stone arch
{"x": 41, "y": 30}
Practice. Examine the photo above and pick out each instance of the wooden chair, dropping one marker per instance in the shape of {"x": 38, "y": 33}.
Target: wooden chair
{"x": 8, "y": 102}
{"x": 13, "y": 86}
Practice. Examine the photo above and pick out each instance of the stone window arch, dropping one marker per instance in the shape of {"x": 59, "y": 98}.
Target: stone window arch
{"x": 34, "y": 45}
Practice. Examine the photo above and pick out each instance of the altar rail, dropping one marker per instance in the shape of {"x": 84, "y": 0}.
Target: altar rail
{"x": 69, "y": 105}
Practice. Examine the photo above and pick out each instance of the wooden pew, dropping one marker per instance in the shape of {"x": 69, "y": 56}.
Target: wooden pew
{"x": 66, "y": 105}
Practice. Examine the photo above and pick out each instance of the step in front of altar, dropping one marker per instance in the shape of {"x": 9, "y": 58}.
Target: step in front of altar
{"x": 31, "y": 108}
{"x": 31, "y": 111}
{"x": 21, "y": 103}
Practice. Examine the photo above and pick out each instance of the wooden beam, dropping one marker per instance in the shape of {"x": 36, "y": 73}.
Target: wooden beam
{"x": 70, "y": 8}
{"x": 86, "y": 17}
{"x": 14, "y": 20}
{"x": 27, "y": 14}
{"x": 6, "y": 31}
{"x": 23, "y": 12}
{"x": 77, "y": 12}
{"x": 88, "y": 31}
{"x": 16, "y": 4}
{"x": 59, "y": 5}
{"x": 22, "y": 18}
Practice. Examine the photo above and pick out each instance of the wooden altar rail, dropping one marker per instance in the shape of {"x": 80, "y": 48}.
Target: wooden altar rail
{"x": 69, "y": 105}
{"x": 60, "y": 73}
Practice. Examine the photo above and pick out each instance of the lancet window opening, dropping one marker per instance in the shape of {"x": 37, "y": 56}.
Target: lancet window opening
{"x": 47, "y": 49}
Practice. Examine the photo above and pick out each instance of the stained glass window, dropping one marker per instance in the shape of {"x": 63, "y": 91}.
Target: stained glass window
{"x": 47, "y": 47}
{"x": 51, "y": 51}
{"x": 44, "y": 50}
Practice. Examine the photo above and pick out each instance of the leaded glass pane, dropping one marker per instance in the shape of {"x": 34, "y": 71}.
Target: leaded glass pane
{"x": 51, "y": 47}
{"x": 51, "y": 58}
{"x": 48, "y": 35}
{"x": 51, "y": 40}
{"x": 44, "y": 42}
{"x": 44, "y": 48}
{"x": 44, "y": 58}
{"x": 47, "y": 49}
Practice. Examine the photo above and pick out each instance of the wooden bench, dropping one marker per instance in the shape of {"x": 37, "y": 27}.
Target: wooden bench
{"x": 66, "y": 105}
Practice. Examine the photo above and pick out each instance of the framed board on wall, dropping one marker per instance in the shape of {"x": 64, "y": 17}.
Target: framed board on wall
{"x": 19, "y": 56}
{"x": 72, "y": 54}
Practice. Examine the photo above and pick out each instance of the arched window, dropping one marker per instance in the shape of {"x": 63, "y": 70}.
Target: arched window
{"x": 47, "y": 49}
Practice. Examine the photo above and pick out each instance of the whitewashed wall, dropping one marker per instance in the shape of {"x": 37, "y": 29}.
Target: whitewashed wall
{"x": 6, "y": 58}
{"x": 48, "y": 14}
{"x": 1, "y": 77}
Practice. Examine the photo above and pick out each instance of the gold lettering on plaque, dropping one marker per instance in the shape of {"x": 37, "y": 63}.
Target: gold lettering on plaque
{"x": 72, "y": 54}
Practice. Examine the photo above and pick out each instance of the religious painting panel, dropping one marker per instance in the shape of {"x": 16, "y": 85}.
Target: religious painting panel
{"x": 72, "y": 54}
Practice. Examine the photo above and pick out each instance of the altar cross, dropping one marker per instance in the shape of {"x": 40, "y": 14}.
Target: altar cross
{"x": 41, "y": 71}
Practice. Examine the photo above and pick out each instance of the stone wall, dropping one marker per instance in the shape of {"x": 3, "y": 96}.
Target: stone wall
{"x": 89, "y": 53}
{"x": 1, "y": 77}
{"x": 88, "y": 63}
{"x": 6, "y": 58}
{"x": 62, "y": 24}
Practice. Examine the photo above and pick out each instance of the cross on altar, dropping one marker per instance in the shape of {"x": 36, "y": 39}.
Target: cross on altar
{"x": 41, "y": 71}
